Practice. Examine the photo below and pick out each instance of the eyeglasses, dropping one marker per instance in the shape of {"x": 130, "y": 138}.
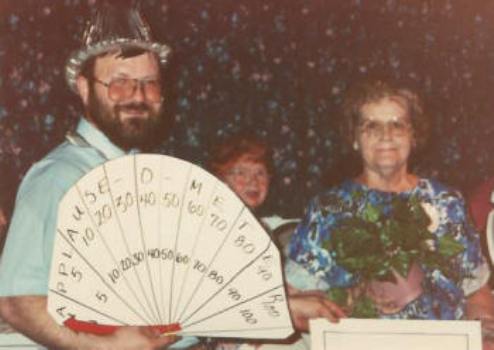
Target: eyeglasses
{"x": 377, "y": 129}
{"x": 121, "y": 89}
{"x": 246, "y": 174}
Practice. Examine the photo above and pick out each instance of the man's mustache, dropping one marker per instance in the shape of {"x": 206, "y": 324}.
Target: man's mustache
{"x": 133, "y": 107}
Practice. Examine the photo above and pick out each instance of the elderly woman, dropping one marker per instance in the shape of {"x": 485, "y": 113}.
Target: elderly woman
{"x": 385, "y": 125}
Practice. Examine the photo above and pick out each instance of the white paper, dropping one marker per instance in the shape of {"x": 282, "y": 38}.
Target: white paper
{"x": 353, "y": 334}
{"x": 17, "y": 341}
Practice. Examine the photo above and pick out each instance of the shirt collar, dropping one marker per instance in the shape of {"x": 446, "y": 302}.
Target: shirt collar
{"x": 98, "y": 140}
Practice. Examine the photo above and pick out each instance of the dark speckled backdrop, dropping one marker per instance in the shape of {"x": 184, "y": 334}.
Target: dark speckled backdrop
{"x": 279, "y": 67}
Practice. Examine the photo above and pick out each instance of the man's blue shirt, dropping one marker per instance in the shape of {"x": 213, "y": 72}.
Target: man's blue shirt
{"x": 25, "y": 263}
{"x": 26, "y": 260}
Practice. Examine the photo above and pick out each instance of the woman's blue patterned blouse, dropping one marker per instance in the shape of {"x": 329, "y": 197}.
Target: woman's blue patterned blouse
{"x": 443, "y": 298}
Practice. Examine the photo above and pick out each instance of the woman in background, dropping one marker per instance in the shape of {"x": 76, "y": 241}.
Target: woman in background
{"x": 244, "y": 163}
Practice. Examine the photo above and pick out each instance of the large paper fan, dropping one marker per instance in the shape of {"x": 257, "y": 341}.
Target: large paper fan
{"x": 155, "y": 240}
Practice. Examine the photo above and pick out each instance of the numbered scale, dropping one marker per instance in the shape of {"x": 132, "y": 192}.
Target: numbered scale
{"x": 154, "y": 240}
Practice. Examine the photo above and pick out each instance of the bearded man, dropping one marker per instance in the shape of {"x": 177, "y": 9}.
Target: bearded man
{"x": 117, "y": 74}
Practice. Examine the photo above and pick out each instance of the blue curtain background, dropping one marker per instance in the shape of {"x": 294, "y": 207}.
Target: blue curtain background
{"x": 279, "y": 68}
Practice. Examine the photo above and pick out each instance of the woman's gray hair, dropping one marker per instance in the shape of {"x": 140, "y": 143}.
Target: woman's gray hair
{"x": 375, "y": 91}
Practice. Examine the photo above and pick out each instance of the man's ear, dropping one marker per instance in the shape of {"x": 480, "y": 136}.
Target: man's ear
{"x": 83, "y": 88}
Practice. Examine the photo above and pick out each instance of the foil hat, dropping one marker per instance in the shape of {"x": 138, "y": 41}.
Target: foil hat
{"x": 115, "y": 25}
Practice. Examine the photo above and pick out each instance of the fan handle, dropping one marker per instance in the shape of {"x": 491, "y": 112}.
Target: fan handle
{"x": 103, "y": 329}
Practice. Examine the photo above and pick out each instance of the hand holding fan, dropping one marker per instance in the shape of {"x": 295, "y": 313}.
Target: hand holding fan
{"x": 154, "y": 240}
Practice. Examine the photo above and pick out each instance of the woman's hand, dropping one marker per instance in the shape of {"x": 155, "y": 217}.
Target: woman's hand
{"x": 312, "y": 304}
{"x": 480, "y": 306}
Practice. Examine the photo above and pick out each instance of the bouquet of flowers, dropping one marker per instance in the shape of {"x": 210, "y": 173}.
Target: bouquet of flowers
{"x": 382, "y": 241}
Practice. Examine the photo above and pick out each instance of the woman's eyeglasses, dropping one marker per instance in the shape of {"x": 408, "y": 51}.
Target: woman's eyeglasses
{"x": 245, "y": 174}
{"x": 395, "y": 127}
{"x": 121, "y": 89}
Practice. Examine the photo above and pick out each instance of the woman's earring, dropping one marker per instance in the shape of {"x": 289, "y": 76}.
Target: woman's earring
{"x": 355, "y": 146}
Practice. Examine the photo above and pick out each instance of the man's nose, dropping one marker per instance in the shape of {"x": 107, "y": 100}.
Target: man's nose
{"x": 139, "y": 93}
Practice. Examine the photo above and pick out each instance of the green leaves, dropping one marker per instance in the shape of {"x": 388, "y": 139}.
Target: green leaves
{"x": 449, "y": 247}
{"x": 364, "y": 308}
{"x": 371, "y": 213}
{"x": 356, "y": 247}
{"x": 401, "y": 262}
{"x": 338, "y": 295}
{"x": 378, "y": 240}
{"x": 371, "y": 243}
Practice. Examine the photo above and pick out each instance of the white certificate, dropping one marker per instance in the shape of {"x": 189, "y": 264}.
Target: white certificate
{"x": 17, "y": 341}
{"x": 350, "y": 334}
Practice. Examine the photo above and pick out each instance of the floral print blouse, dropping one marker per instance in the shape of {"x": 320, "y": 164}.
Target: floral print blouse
{"x": 442, "y": 297}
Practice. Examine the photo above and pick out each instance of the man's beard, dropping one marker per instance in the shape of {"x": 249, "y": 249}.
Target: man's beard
{"x": 139, "y": 132}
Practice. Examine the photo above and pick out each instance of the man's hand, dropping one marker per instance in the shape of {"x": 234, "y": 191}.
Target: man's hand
{"x": 487, "y": 344}
{"x": 29, "y": 315}
{"x": 136, "y": 338}
{"x": 480, "y": 306}
{"x": 306, "y": 305}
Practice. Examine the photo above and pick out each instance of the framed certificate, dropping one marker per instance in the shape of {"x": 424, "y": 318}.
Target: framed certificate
{"x": 17, "y": 341}
{"x": 352, "y": 334}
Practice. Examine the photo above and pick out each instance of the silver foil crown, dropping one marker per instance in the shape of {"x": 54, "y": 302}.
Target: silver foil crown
{"x": 113, "y": 27}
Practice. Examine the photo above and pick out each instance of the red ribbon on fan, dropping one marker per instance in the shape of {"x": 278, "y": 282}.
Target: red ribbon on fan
{"x": 103, "y": 329}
